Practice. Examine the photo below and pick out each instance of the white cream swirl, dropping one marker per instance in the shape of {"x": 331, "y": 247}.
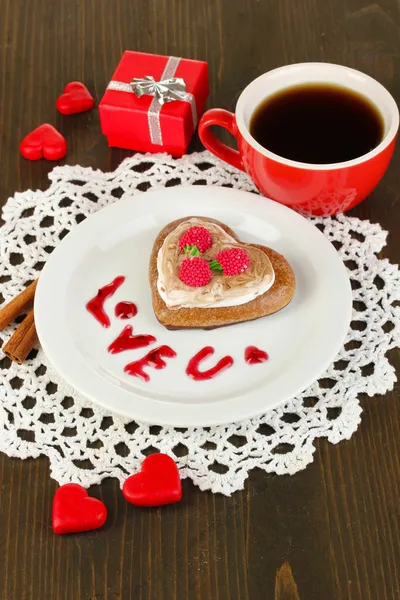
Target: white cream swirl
{"x": 221, "y": 291}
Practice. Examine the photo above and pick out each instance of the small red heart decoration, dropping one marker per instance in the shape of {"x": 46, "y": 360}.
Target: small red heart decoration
{"x": 74, "y": 511}
{"x": 43, "y": 142}
{"x": 254, "y": 356}
{"x": 157, "y": 484}
{"x": 75, "y": 99}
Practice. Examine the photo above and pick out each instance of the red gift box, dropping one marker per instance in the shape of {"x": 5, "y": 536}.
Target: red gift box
{"x": 142, "y": 123}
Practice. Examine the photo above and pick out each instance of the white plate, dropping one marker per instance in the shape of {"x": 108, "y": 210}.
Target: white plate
{"x": 301, "y": 340}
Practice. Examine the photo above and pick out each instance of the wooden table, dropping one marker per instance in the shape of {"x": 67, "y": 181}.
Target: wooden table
{"x": 337, "y": 522}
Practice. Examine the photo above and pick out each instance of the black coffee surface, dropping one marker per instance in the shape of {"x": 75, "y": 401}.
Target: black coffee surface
{"x": 317, "y": 123}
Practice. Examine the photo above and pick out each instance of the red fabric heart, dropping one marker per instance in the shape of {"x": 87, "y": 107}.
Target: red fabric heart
{"x": 75, "y": 99}
{"x": 75, "y": 511}
{"x": 43, "y": 142}
{"x": 157, "y": 484}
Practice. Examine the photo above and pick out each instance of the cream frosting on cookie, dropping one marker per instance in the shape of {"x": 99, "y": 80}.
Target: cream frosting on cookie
{"x": 221, "y": 291}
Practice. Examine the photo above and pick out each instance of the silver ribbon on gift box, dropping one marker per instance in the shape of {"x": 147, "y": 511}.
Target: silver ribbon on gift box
{"x": 168, "y": 89}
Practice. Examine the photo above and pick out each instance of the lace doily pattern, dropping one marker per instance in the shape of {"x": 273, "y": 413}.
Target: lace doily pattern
{"x": 41, "y": 415}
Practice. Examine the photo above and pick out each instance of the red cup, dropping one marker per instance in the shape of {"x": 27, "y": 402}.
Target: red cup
{"x": 312, "y": 189}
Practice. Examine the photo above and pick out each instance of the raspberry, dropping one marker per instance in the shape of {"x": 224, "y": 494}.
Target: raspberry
{"x": 231, "y": 261}
{"x": 195, "y": 240}
{"x": 195, "y": 272}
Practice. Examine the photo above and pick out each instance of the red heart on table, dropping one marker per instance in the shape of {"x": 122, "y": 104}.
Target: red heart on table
{"x": 75, "y": 99}
{"x": 74, "y": 511}
{"x": 157, "y": 484}
{"x": 43, "y": 142}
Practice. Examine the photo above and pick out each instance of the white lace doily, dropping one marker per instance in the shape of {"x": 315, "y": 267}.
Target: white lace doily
{"x": 40, "y": 415}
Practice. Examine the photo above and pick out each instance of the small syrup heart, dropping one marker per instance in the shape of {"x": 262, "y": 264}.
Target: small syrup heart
{"x": 255, "y": 356}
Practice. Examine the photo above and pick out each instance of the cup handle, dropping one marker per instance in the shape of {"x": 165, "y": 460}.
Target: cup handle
{"x": 223, "y": 118}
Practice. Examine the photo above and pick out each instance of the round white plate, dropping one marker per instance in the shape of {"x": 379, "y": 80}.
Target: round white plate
{"x": 301, "y": 340}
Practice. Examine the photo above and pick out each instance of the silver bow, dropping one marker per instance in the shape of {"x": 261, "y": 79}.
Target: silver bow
{"x": 165, "y": 90}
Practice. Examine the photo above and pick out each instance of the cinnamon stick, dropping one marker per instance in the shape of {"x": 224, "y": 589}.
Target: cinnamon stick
{"x": 17, "y": 305}
{"x": 285, "y": 585}
{"x": 22, "y": 341}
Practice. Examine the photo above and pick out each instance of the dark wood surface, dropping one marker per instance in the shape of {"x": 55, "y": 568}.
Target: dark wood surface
{"x": 337, "y": 522}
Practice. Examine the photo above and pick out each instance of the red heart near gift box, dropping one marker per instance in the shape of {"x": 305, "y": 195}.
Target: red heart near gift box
{"x": 75, "y": 99}
{"x": 153, "y": 102}
{"x": 74, "y": 511}
{"x": 43, "y": 142}
{"x": 157, "y": 484}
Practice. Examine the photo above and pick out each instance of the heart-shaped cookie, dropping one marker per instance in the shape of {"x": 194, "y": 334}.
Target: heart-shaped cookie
{"x": 264, "y": 285}
{"x": 157, "y": 484}
{"x": 75, "y": 99}
{"x": 43, "y": 142}
{"x": 74, "y": 511}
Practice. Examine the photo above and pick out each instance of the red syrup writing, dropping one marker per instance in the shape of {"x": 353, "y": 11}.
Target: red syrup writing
{"x": 193, "y": 367}
{"x": 255, "y": 356}
{"x": 125, "y": 310}
{"x": 96, "y": 305}
{"x": 154, "y": 359}
{"x": 127, "y": 341}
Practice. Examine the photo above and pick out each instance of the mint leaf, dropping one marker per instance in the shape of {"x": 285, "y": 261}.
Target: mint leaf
{"x": 192, "y": 250}
{"x": 215, "y": 266}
